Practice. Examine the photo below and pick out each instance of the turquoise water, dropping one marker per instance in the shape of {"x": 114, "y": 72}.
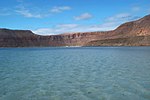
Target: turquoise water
{"x": 87, "y": 73}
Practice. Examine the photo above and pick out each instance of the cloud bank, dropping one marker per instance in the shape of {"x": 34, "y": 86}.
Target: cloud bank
{"x": 83, "y": 16}
{"x": 110, "y": 23}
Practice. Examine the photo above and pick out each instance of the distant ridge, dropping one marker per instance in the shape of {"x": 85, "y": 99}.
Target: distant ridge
{"x": 135, "y": 33}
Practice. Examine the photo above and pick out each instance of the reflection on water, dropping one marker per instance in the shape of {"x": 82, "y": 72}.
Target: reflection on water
{"x": 98, "y": 73}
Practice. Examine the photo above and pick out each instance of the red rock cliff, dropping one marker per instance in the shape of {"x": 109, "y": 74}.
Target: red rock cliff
{"x": 133, "y": 33}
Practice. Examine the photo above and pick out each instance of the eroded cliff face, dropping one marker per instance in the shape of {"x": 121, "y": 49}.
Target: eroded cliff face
{"x": 25, "y": 38}
{"x": 80, "y": 39}
{"x": 16, "y": 38}
{"x": 134, "y": 33}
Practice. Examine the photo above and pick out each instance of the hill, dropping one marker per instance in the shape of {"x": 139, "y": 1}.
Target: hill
{"x": 135, "y": 33}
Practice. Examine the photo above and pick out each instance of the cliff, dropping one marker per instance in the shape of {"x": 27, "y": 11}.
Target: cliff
{"x": 135, "y": 33}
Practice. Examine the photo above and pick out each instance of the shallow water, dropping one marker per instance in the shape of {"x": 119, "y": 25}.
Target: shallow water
{"x": 87, "y": 73}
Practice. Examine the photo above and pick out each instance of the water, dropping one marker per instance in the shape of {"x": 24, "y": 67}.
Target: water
{"x": 98, "y": 73}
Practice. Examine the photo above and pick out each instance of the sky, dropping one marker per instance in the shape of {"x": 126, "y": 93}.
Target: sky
{"x": 50, "y": 17}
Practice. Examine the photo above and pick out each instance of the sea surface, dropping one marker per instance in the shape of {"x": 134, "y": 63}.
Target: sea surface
{"x": 75, "y": 73}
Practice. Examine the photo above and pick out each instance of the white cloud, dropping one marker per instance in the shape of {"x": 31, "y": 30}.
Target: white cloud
{"x": 119, "y": 17}
{"x": 136, "y": 8}
{"x": 37, "y": 14}
{"x": 60, "y": 9}
{"x": 61, "y": 28}
{"x": 27, "y": 13}
{"x": 83, "y": 16}
{"x": 71, "y": 28}
{"x": 66, "y": 25}
{"x": 30, "y": 13}
{"x": 110, "y": 24}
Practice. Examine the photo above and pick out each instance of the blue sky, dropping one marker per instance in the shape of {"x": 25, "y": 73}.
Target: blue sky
{"x": 62, "y": 16}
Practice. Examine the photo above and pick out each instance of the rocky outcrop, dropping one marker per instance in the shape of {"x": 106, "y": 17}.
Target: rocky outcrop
{"x": 127, "y": 41}
{"x": 135, "y": 33}
{"x": 25, "y": 38}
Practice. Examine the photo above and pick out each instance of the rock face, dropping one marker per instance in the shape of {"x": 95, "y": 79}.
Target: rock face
{"x": 135, "y": 33}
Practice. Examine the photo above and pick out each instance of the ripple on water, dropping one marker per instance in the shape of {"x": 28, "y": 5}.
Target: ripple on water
{"x": 75, "y": 74}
